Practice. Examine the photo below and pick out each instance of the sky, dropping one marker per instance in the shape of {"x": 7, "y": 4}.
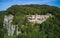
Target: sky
{"x": 5, "y": 4}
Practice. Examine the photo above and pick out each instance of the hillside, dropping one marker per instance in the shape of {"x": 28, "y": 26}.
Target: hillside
{"x": 48, "y": 29}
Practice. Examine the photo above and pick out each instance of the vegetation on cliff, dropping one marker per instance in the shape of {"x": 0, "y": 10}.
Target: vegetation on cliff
{"x": 48, "y": 29}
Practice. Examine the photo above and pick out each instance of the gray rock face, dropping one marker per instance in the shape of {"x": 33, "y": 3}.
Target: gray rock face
{"x": 9, "y": 26}
{"x": 38, "y": 18}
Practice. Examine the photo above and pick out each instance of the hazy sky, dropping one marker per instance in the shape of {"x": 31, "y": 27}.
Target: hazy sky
{"x": 4, "y": 4}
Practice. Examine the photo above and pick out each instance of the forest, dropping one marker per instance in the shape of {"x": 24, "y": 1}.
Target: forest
{"x": 48, "y": 29}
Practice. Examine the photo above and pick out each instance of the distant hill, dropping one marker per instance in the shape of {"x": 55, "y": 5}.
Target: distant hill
{"x": 2, "y": 11}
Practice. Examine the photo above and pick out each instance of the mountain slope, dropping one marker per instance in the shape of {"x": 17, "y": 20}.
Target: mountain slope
{"x": 48, "y": 29}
